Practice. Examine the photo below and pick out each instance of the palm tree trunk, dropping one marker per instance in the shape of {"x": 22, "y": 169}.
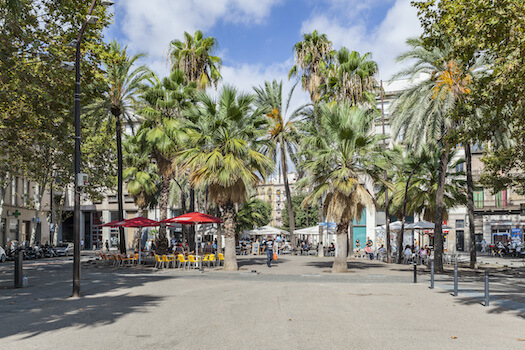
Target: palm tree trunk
{"x": 340, "y": 260}
{"x": 387, "y": 224}
{"x": 291, "y": 216}
{"x": 230, "y": 259}
{"x": 122, "y": 236}
{"x": 219, "y": 232}
{"x": 320, "y": 251}
{"x": 350, "y": 241}
{"x": 440, "y": 206}
{"x": 191, "y": 235}
{"x": 164, "y": 196}
{"x": 470, "y": 207}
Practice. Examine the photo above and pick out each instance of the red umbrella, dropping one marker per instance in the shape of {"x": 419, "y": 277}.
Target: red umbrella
{"x": 114, "y": 223}
{"x": 139, "y": 222}
{"x": 193, "y": 218}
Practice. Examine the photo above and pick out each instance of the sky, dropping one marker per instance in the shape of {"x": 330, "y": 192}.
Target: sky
{"x": 256, "y": 37}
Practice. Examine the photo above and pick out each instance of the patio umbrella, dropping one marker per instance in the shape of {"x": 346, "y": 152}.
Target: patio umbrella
{"x": 193, "y": 219}
{"x": 114, "y": 223}
{"x": 266, "y": 231}
{"x": 138, "y": 222}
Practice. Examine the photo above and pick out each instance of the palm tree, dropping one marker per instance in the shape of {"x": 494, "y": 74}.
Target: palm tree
{"x": 193, "y": 57}
{"x": 339, "y": 154}
{"x": 312, "y": 56}
{"x": 123, "y": 83}
{"x": 281, "y": 133}
{"x": 163, "y": 133}
{"x": 352, "y": 78}
{"x": 225, "y": 136}
{"x": 424, "y": 112}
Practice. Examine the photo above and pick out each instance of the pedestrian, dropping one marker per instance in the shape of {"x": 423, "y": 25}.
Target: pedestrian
{"x": 82, "y": 244}
{"x": 483, "y": 244}
{"x": 268, "y": 247}
{"x": 357, "y": 248}
{"x": 107, "y": 245}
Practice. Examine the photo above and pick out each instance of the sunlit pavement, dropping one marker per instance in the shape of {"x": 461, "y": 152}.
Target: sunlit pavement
{"x": 296, "y": 304}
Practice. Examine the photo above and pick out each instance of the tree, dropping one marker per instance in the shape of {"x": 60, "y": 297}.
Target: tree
{"x": 123, "y": 84}
{"x": 162, "y": 130}
{"x": 225, "y": 136}
{"x": 312, "y": 56}
{"x": 282, "y": 134}
{"x": 194, "y": 58}
{"x": 253, "y": 213}
{"x": 352, "y": 78}
{"x": 423, "y": 114}
{"x": 304, "y": 217}
{"x": 340, "y": 152}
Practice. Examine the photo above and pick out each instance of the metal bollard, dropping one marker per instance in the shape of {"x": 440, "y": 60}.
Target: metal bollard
{"x": 456, "y": 279}
{"x": 432, "y": 275}
{"x": 415, "y": 272}
{"x": 19, "y": 272}
{"x": 486, "y": 287}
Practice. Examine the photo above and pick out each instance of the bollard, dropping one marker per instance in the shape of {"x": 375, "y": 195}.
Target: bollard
{"x": 415, "y": 272}
{"x": 432, "y": 275}
{"x": 456, "y": 279}
{"x": 19, "y": 273}
{"x": 486, "y": 287}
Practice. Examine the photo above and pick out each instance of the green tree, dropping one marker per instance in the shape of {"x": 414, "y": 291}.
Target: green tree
{"x": 194, "y": 58}
{"x": 339, "y": 151}
{"x": 253, "y": 213}
{"x": 423, "y": 114}
{"x": 304, "y": 217}
{"x": 312, "y": 56}
{"x": 282, "y": 134}
{"x": 352, "y": 78}
{"x": 162, "y": 130}
{"x": 120, "y": 100}
{"x": 225, "y": 136}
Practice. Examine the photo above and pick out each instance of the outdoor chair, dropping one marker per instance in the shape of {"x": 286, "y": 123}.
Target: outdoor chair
{"x": 193, "y": 261}
{"x": 134, "y": 259}
{"x": 167, "y": 260}
{"x": 181, "y": 260}
{"x": 158, "y": 262}
{"x": 221, "y": 259}
{"x": 205, "y": 259}
{"x": 211, "y": 259}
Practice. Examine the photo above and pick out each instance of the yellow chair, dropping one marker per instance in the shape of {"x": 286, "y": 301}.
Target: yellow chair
{"x": 211, "y": 259}
{"x": 182, "y": 261}
{"x": 205, "y": 259}
{"x": 158, "y": 262}
{"x": 167, "y": 260}
{"x": 193, "y": 261}
{"x": 221, "y": 259}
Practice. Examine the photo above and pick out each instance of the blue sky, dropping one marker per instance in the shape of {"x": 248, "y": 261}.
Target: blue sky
{"x": 256, "y": 37}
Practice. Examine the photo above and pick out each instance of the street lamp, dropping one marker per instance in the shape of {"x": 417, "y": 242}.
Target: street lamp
{"x": 78, "y": 177}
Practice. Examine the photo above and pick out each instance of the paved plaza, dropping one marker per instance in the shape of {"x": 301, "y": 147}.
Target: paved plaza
{"x": 297, "y": 304}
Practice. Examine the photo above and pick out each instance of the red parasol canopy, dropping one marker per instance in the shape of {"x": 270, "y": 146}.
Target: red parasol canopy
{"x": 114, "y": 223}
{"x": 193, "y": 218}
{"x": 139, "y": 222}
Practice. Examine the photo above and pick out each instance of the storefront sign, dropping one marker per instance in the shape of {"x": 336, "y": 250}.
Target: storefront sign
{"x": 515, "y": 234}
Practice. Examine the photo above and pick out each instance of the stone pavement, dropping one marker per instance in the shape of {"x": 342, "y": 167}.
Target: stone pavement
{"x": 297, "y": 304}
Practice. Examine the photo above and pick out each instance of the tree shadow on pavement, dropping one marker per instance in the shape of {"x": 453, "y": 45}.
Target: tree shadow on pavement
{"x": 46, "y": 304}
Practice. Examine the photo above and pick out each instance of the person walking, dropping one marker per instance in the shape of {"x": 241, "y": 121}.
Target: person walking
{"x": 268, "y": 247}
{"x": 483, "y": 244}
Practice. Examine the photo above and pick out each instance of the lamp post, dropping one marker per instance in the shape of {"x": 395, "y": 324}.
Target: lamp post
{"x": 76, "y": 229}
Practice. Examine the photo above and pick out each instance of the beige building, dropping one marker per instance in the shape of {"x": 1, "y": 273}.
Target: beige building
{"x": 273, "y": 192}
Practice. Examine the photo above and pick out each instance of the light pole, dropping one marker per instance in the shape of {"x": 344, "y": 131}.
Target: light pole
{"x": 76, "y": 229}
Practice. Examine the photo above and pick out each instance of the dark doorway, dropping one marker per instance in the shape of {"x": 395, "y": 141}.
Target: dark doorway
{"x": 460, "y": 240}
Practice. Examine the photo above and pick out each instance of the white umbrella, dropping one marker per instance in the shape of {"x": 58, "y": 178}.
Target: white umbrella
{"x": 312, "y": 230}
{"x": 266, "y": 231}
{"x": 425, "y": 225}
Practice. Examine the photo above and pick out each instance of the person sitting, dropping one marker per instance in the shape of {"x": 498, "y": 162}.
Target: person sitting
{"x": 208, "y": 248}
{"x": 368, "y": 251}
{"x": 381, "y": 252}
{"x": 408, "y": 253}
{"x": 423, "y": 255}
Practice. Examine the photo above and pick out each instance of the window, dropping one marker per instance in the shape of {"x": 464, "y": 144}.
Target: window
{"x": 478, "y": 198}
{"x": 460, "y": 223}
{"x": 14, "y": 191}
{"x": 459, "y": 167}
{"x": 112, "y": 199}
{"x": 501, "y": 199}
{"x": 25, "y": 193}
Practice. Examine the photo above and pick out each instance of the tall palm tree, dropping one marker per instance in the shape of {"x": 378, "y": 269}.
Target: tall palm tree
{"x": 225, "y": 136}
{"x": 162, "y": 131}
{"x": 312, "y": 57}
{"x": 352, "y": 78}
{"x": 194, "y": 58}
{"x": 124, "y": 80}
{"x": 281, "y": 133}
{"x": 339, "y": 154}
{"x": 423, "y": 114}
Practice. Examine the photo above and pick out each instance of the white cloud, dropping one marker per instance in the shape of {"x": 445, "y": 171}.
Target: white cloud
{"x": 385, "y": 42}
{"x": 149, "y": 26}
